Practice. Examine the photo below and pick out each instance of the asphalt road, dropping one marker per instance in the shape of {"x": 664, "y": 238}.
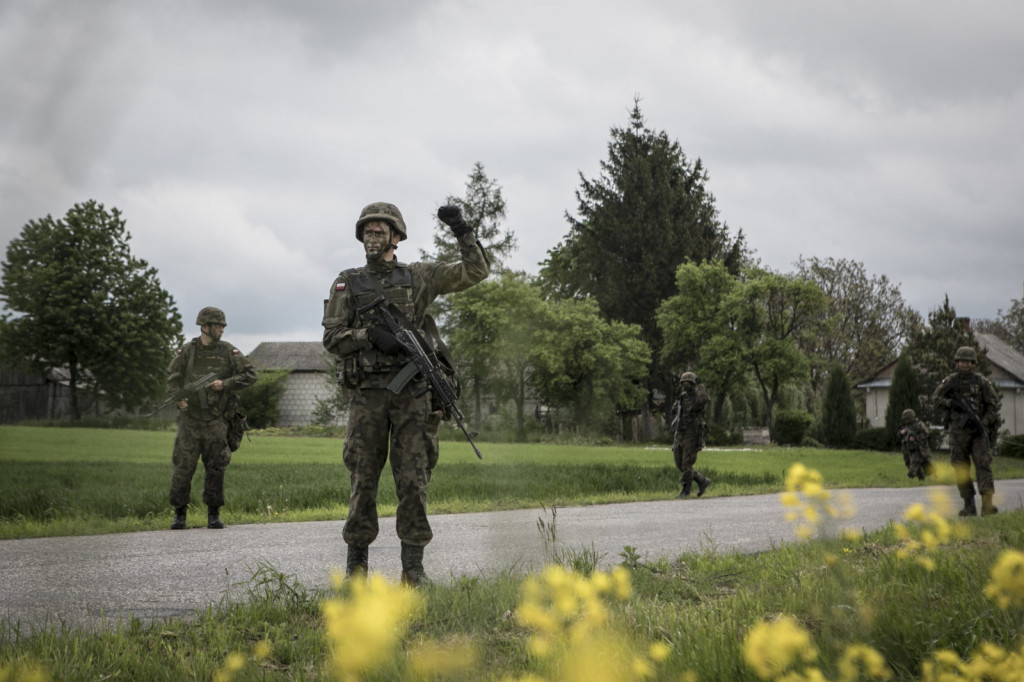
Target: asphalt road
{"x": 101, "y": 580}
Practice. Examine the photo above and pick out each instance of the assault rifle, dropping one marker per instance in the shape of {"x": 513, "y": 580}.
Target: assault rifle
{"x": 422, "y": 362}
{"x": 970, "y": 417}
{"x": 185, "y": 391}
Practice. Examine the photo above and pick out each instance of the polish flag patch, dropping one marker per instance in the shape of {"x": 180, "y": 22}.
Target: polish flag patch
{"x": 340, "y": 286}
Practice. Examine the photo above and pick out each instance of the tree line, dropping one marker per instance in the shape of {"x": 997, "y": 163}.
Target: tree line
{"x": 647, "y": 282}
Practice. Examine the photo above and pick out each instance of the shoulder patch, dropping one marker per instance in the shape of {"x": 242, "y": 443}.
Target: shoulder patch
{"x": 340, "y": 286}
{"x": 234, "y": 351}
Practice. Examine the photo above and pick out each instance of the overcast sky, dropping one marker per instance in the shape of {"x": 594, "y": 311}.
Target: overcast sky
{"x": 241, "y": 139}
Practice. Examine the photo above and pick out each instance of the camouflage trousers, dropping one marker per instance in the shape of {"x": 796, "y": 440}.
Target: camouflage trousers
{"x": 197, "y": 439}
{"x": 964, "y": 447}
{"x": 404, "y": 427}
{"x": 917, "y": 461}
{"x": 685, "y": 446}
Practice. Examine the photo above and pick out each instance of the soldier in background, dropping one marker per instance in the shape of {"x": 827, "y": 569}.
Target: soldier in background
{"x": 969, "y": 408}
{"x": 381, "y": 422}
{"x": 203, "y": 418}
{"x": 917, "y": 455}
{"x": 690, "y": 431}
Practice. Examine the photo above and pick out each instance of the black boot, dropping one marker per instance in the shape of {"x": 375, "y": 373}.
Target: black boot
{"x": 213, "y": 518}
{"x": 987, "y": 508}
{"x": 412, "y": 566}
{"x": 685, "y": 492}
{"x": 702, "y": 484}
{"x": 358, "y": 561}
{"x": 179, "y": 518}
{"x": 969, "y": 508}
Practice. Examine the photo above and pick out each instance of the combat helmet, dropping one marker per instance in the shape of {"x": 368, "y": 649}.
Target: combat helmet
{"x": 380, "y": 210}
{"x": 966, "y": 353}
{"x": 908, "y": 416}
{"x": 211, "y": 315}
{"x": 687, "y": 376}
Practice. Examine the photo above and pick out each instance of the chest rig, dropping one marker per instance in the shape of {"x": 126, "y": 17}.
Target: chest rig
{"x": 396, "y": 286}
{"x": 969, "y": 388}
{"x": 201, "y": 360}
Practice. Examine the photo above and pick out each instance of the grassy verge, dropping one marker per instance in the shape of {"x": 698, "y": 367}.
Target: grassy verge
{"x": 71, "y": 481}
{"x": 700, "y": 606}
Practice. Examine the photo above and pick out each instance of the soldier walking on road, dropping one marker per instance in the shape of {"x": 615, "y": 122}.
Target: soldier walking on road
{"x": 203, "y": 418}
{"x": 690, "y": 430}
{"x": 381, "y": 421}
{"x": 969, "y": 407}
{"x": 917, "y": 455}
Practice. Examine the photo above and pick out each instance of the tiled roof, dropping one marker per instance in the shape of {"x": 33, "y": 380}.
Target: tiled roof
{"x": 300, "y": 356}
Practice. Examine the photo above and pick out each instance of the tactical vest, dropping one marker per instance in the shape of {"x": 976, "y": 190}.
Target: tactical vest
{"x": 397, "y": 287}
{"x": 969, "y": 389}
{"x": 202, "y": 360}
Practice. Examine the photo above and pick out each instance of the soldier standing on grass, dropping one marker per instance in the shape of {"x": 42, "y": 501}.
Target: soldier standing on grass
{"x": 917, "y": 455}
{"x": 203, "y": 418}
{"x": 381, "y": 422}
{"x": 690, "y": 430}
{"x": 969, "y": 407}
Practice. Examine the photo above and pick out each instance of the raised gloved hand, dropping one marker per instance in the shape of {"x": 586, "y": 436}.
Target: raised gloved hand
{"x": 384, "y": 341}
{"x": 452, "y": 217}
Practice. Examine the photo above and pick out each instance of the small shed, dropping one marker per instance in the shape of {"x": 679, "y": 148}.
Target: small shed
{"x": 310, "y": 376}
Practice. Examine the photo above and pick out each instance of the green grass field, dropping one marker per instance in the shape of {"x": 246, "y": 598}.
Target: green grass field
{"x": 71, "y": 481}
{"x": 868, "y": 592}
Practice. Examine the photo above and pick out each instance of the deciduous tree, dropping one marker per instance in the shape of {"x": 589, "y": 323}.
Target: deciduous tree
{"x": 76, "y": 298}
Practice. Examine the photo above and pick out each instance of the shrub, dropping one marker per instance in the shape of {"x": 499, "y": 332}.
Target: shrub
{"x": 1012, "y": 446}
{"x": 259, "y": 402}
{"x": 791, "y": 426}
{"x": 872, "y": 439}
{"x": 719, "y": 435}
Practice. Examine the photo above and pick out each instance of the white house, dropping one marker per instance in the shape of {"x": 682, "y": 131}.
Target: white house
{"x": 1007, "y": 375}
{"x": 310, "y": 376}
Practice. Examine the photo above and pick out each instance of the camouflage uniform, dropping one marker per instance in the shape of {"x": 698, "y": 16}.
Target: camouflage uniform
{"x": 917, "y": 456}
{"x": 379, "y": 421}
{"x": 203, "y": 426}
{"x": 968, "y": 442}
{"x": 690, "y": 431}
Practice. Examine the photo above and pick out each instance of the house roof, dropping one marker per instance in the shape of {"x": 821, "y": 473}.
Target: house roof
{"x": 1003, "y": 355}
{"x": 999, "y": 353}
{"x": 295, "y": 356}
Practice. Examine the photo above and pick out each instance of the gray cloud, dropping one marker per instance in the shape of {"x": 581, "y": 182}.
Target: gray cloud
{"x": 241, "y": 139}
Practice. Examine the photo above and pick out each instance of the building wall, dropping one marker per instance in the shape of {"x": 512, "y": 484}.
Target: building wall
{"x": 302, "y": 389}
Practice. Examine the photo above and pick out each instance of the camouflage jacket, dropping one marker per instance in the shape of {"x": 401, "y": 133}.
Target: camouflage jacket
{"x": 410, "y": 288}
{"x": 193, "y": 360}
{"x": 976, "y": 391}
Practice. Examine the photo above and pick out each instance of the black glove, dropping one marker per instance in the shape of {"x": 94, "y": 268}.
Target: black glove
{"x": 452, "y": 217}
{"x": 384, "y": 340}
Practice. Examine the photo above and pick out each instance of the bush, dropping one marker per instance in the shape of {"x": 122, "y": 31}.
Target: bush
{"x": 872, "y": 439}
{"x": 259, "y": 402}
{"x": 1012, "y": 446}
{"x": 791, "y": 426}
{"x": 719, "y": 435}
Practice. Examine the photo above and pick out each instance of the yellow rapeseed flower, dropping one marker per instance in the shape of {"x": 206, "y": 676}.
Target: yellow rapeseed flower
{"x": 1006, "y": 588}
{"x": 659, "y": 652}
{"x": 772, "y": 647}
{"x": 432, "y": 660}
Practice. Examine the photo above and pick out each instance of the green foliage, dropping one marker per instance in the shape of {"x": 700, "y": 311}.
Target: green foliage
{"x": 865, "y": 324}
{"x": 839, "y": 415}
{"x": 79, "y": 300}
{"x": 1008, "y": 326}
{"x": 1012, "y": 446}
{"x": 591, "y": 366}
{"x": 259, "y": 402}
{"x": 648, "y": 212}
{"x": 905, "y": 394}
{"x": 718, "y": 435}
{"x": 791, "y": 426}
{"x": 872, "y": 439}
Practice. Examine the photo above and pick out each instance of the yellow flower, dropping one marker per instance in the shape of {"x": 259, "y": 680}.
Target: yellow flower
{"x": 927, "y": 562}
{"x": 770, "y": 648}
{"x": 262, "y": 650}
{"x": 1007, "y": 585}
{"x": 915, "y": 512}
{"x": 789, "y": 499}
{"x": 659, "y": 652}
{"x": 436, "y": 660}
{"x": 861, "y": 660}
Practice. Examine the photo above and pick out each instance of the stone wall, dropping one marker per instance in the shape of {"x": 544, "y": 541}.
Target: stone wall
{"x": 300, "y": 395}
